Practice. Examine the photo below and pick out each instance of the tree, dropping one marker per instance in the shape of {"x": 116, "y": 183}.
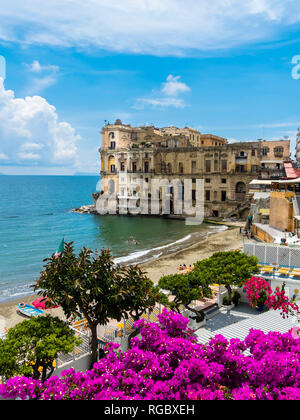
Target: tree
{"x": 91, "y": 285}
{"x": 140, "y": 295}
{"x": 86, "y": 285}
{"x": 229, "y": 268}
{"x": 32, "y": 346}
{"x": 186, "y": 288}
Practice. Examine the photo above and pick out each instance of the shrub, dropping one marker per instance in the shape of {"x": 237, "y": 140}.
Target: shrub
{"x": 167, "y": 363}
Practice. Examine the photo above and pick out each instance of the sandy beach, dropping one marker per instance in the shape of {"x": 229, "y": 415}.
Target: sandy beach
{"x": 222, "y": 241}
{"x": 230, "y": 239}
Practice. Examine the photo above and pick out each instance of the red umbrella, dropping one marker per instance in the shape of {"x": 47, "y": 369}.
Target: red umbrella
{"x": 41, "y": 304}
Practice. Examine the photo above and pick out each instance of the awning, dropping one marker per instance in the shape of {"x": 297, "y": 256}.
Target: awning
{"x": 261, "y": 182}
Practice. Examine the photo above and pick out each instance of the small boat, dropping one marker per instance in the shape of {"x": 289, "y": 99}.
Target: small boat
{"x": 29, "y": 310}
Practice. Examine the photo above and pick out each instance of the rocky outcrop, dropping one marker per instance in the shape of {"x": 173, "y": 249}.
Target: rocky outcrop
{"x": 89, "y": 209}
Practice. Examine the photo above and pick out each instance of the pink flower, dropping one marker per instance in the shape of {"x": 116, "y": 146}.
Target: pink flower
{"x": 295, "y": 331}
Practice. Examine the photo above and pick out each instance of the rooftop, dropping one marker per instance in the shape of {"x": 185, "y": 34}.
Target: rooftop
{"x": 238, "y": 322}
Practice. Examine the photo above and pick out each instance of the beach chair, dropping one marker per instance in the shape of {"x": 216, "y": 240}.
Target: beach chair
{"x": 267, "y": 269}
{"x": 295, "y": 273}
{"x": 284, "y": 271}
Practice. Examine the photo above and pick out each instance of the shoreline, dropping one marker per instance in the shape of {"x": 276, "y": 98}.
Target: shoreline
{"x": 225, "y": 240}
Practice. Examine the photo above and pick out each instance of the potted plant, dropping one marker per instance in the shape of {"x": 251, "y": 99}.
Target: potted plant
{"x": 260, "y": 304}
{"x": 236, "y": 298}
{"x": 228, "y": 304}
{"x": 258, "y": 292}
{"x": 199, "y": 321}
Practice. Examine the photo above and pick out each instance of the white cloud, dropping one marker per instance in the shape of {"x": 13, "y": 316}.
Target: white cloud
{"x": 3, "y": 156}
{"x": 160, "y": 102}
{"x": 174, "y": 87}
{"x": 29, "y": 156}
{"x": 30, "y": 130}
{"x": 36, "y": 67}
{"x": 146, "y": 26}
{"x": 167, "y": 96}
{"x": 45, "y": 76}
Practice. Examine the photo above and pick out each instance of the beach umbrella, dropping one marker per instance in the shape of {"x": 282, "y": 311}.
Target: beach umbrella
{"x": 41, "y": 304}
{"x": 61, "y": 248}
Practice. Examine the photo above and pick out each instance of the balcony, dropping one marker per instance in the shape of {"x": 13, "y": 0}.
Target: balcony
{"x": 241, "y": 159}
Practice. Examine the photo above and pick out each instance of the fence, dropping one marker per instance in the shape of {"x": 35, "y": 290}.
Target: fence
{"x": 266, "y": 253}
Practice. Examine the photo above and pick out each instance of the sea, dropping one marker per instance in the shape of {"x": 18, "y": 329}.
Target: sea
{"x": 36, "y": 213}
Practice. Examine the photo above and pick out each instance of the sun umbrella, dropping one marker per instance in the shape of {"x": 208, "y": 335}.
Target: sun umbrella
{"x": 41, "y": 304}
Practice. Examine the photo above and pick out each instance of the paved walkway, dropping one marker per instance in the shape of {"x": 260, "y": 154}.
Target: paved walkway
{"x": 238, "y": 322}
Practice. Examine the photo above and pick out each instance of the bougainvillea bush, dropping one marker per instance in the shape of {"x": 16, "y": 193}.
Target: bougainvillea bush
{"x": 167, "y": 363}
{"x": 259, "y": 293}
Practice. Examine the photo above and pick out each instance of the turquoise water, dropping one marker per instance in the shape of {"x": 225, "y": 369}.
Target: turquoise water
{"x": 35, "y": 213}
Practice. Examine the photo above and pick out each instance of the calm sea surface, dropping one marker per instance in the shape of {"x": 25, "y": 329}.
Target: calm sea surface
{"x": 35, "y": 213}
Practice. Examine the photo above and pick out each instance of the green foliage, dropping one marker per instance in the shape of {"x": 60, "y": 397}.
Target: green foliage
{"x": 226, "y": 301}
{"x": 140, "y": 294}
{"x": 31, "y": 347}
{"x": 229, "y": 268}
{"x": 186, "y": 288}
{"x": 91, "y": 285}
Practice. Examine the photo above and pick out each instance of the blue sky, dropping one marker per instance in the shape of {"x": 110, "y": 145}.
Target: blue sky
{"x": 223, "y": 68}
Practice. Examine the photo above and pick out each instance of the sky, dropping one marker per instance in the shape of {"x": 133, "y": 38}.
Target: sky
{"x": 224, "y": 67}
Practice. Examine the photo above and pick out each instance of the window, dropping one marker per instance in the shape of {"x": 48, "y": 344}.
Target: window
{"x": 264, "y": 151}
{"x": 146, "y": 167}
{"x": 112, "y": 168}
{"x": 122, "y": 166}
{"x": 241, "y": 168}
{"x": 180, "y": 168}
{"x": 133, "y": 166}
{"x": 207, "y": 166}
{"x": 253, "y": 152}
{"x": 207, "y": 180}
{"x": 224, "y": 165}
{"x": 224, "y": 181}
{"x": 207, "y": 195}
{"x": 112, "y": 145}
{"x": 223, "y": 195}
{"x": 254, "y": 168}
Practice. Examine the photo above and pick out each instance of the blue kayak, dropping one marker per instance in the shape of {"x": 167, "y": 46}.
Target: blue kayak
{"x": 29, "y": 310}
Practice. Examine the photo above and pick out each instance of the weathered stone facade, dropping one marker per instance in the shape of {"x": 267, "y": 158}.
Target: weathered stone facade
{"x": 171, "y": 153}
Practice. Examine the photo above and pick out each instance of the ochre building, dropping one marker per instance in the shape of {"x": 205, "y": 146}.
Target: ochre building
{"x": 129, "y": 154}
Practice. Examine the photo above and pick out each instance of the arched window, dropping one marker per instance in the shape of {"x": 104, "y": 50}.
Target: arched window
{"x": 240, "y": 191}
